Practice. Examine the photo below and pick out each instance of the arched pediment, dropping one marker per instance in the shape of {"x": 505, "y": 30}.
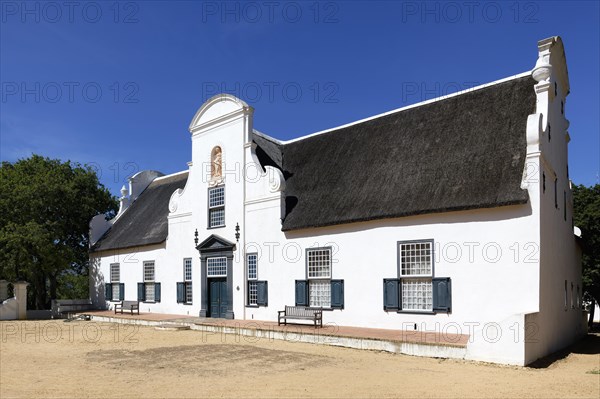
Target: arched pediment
{"x": 218, "y": 107}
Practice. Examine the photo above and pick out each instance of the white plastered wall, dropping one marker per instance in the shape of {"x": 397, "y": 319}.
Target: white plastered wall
{"x": 559, "y": 322}
{"x": 493, "y": 256}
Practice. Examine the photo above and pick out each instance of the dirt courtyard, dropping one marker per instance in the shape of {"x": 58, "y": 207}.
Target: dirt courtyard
{"x": 81, "y": 359}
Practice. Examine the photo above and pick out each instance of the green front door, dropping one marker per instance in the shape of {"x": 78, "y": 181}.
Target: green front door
{"x": 217, "y": 292}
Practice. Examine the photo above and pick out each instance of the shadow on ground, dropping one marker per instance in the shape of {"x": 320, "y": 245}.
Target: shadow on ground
{"x": 588, "y": 345}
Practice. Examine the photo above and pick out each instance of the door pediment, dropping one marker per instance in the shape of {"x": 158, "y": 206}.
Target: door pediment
{"x": 214, "y": 243}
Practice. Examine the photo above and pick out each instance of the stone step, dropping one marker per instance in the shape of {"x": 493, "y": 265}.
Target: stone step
{"x": 171, "y": 327}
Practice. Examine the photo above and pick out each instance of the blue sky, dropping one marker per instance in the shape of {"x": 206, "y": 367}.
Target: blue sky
{"x": 116, "y": 84}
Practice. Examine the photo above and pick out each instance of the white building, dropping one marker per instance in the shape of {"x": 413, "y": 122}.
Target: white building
{"x": 451, "y": 215}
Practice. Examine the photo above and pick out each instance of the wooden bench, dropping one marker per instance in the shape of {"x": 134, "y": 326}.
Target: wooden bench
{"x": 129, "y": 306}
{"x": 301, "y": 313}
{"x": 69, "y": 307}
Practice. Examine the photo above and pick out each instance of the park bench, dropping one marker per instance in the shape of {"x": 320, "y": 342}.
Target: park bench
{"x": 69, "y": 307}
{"x": 129, "y": 306}
{"x": 301, "y": 313}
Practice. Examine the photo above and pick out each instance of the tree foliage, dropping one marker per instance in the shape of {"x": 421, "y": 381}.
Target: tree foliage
{"x": 45, "y": 209}
{"x": 586, "y": 216}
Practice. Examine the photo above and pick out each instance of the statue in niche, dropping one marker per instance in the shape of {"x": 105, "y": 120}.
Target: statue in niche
{"x": 216, "y": 166}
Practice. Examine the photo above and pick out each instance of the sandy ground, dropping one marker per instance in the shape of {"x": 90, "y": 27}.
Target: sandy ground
{"x": 101, "y": 360}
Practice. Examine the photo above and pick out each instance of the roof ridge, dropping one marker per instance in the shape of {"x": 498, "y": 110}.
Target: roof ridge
{"x": 407, "y": 107}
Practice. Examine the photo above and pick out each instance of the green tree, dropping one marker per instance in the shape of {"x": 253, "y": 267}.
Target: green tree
{"x": 45, "y": 209}
{"x": 586, "y": 216}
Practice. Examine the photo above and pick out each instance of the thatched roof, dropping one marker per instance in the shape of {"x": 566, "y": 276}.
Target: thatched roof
{"x": 463, "y": 152}
{"x": 145, "y": 221}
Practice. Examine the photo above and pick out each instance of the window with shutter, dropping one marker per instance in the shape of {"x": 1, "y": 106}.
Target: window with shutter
{"x": 141, "y": 294}
{"x": 121, "y": 291}
{"x": 115, "y": 277}
{"x": 262, "y": 294}
{"x": 318, "y": 267}
{"x": 416, "y": 272}
{"x": 442, "y": 294}
{"x": 187, "y": 278}
{"x": 416, "y": 289}
{"x": 301, "y": 293}
{"x": 149, "y": 282}
{"x": 252, "y": 277}
{"x": 108, "y": 292}
{"x": 156, "y": 292}
{"x": 337, "y": 294}
{"x": 180, "y": 292}
{"x": 391, "y": 294}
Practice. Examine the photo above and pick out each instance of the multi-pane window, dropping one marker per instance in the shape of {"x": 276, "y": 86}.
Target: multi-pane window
{"x": 115, "y": 278}
{"x": 187, "y": 278}
{"x": 319, "y": 277}
{"x": 319, "y": 293}
{"x": 216, "y": 267}
{"x": 149, "y": 281}
{"x": 252, "y": 265}
{"x": 416, "y": 272}
{"x": 216, "y": 207}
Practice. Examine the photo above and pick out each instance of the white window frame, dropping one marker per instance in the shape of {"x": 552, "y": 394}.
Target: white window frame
{"x": 213, "y": 208}
{"x": 149, "y": 280}
{"x": 420, "y": 283}
{"x": 115, "y": 280}
{"x": 319, "y": 280}
{"x": 252, "y": 280}
{"x": 215, "y": 258}
{"x": 187, "y": 279}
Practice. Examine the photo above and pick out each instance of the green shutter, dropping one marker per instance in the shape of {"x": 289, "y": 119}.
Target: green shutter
{"x": 301, "y": 293}
{"x": 337, "y": 294}
{"x": 121, "y": 291}
{"x": 156, "y": 292}
{"x": 391, "y": 294}
{"x": 108, "y": 292}
{"x": 262, "y": 293}
{"x": 442, "y": 294}
{"x": 141, "y": 292}
{"x": 180, "y": 292}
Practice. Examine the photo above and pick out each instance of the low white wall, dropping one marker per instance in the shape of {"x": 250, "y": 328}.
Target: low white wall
{"x": 9, "y": 309}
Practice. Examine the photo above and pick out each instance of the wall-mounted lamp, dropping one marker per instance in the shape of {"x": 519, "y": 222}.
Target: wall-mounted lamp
{"x": 237, "y": 232}
{"x": 196, "y": 237}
